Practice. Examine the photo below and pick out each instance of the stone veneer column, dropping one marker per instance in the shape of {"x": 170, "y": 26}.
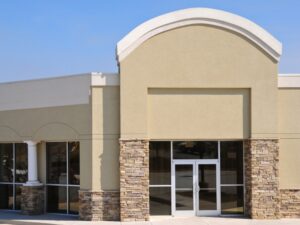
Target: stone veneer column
{"x": 99, "y": 205}
{"x": 32, "y": 200}
{"x": 32, "y": 196}
{"x": 262, "y": 178}
{"x": 134, "y": 180}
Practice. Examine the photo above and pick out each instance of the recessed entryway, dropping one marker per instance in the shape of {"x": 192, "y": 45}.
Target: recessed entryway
{"x": 202, "y": 178}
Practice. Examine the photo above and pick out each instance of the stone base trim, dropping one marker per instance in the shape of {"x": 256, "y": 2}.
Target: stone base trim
{"x": 99, "y": 205}
{"x": 262, "y": 178}
{"x": 134, "y": 180}
{"x": 290, "y": 203}
{"x": 32, "y": 200}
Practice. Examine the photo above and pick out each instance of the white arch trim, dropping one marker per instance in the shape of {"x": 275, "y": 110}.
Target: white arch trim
{"x": 192, "y": 16}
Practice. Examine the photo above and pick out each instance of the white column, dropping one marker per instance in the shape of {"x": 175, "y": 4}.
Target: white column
{"x": 32, "y": 164}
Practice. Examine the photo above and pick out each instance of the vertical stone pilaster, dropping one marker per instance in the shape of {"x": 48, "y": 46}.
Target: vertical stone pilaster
{"x": 99, "y": 205}
{"x": 262, "y": 178}
{"x": 134, "y": 180}
{"x": 32, "y": 200}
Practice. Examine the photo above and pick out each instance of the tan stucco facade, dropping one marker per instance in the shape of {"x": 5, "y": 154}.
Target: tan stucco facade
{"x": 199, "y": 59}
{"x": 181, "y": 79}
{"x": 289, "y": 134}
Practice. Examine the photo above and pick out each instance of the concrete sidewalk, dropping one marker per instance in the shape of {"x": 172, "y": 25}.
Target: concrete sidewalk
{"x": 50, "y": 219}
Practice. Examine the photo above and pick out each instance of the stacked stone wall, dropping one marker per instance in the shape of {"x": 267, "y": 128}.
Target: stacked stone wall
{"x": 99, "y": 205}
{"x": 32, "y": 200}
{"x": 290, "y": 203}
{"x": 262, "y": 178}
{"x": 134, "y": 180}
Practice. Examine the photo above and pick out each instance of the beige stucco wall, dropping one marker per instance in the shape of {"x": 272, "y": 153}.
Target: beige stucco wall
{"x": 106, "y": 133}
{"x": 289, "y": 134}
{"x": 63, "y": 123}
{"x": 176, "y": 107}
{"x": 197, "y": 56}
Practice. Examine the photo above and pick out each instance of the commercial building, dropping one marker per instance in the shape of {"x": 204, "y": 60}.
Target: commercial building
{"x": 197, "y": 122}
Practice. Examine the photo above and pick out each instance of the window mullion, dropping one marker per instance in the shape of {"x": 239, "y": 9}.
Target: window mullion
{"x": 67, "y": 183}
{"x": 14, "y": 176}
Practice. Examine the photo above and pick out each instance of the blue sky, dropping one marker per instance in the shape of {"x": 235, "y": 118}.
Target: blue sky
{"x": 40, "y": 38}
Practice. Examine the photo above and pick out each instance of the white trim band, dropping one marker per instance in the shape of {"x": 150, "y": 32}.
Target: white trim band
{"x": 289, "y": 81}
{"x": 191, "y": 16}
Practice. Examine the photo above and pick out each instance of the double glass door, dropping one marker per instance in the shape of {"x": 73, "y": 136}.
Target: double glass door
{"x": 196, "y": 187}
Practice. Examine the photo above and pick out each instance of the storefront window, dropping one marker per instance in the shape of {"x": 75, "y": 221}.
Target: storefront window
{"x": 63, "y": 177}
{"x": 13, "y": 174}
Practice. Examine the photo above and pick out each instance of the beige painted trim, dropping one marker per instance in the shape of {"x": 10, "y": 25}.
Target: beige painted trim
{"x": 289, "y": 81}
{"x": 53, "y": 92}
{"x": 191, "y": 16}
{"x": 105, "y": 79}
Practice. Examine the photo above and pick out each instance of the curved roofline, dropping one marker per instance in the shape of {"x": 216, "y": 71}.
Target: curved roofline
{"x": 191, "y": 16}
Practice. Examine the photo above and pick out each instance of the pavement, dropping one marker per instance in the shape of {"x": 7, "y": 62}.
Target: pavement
{"x": 16, "y": 218}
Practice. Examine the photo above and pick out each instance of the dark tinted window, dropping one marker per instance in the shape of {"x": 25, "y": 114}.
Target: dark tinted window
{"x": 57, "y": 199}
{"x": 232, "y": 162}
{"x": 56, "y": 163}
{"x": 6, "y": 163}
{"x": 21, "y": 163}
{"x": 6, "y": 196}
{"x": 74, "y": 157}
{"x": 160, "y": 163}
{"x": 232, "y": 200}
{"x": 195, "y": 150}
{"x": 160, "y": 200}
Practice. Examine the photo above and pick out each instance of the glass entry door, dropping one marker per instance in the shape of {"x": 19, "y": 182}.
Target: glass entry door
{"x": 184, "y": 188}
{"x": 207, "y": 188}
{"x": 195, "y": 188}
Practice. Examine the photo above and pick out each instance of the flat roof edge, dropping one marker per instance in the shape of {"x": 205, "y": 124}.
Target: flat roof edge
{"x": 289, "y": 81}
{"x": 97, "y": 78}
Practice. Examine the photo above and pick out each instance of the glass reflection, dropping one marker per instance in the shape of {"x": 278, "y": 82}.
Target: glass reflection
{"x": 6, "y": 196}
{"x": 74, "y": 157}
{"x": 18, "y": 192}
{"x": 207, "y": 199}
{"x": 184, "y": 176}
{"x": 195, "y": 150}
{"x": 184, "y": 187}
{"x": 160, "y": 200}
{"x": 207, "y": 176}
{"x": 21, "y": 163}
{"x": 160, "y": 163}
{"x": 6, "y": 163}
{"x": 232, "y": 200}
{"x": 232, "y": 162}
{"x": 184, "y": 200}
{"x": 73, "y": 200}
{"x": 56, "y": 199}
{"x": 56, "y": 163}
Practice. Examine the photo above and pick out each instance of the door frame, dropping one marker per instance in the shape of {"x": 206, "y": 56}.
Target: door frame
{"x": 195, "y": 211}
{"x": 216, "y": 212}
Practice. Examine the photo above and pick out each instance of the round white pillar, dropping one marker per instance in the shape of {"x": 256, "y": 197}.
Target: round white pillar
{"x": 32, "y": 164}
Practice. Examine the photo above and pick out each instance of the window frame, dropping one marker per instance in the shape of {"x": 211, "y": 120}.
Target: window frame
{"x": 14, "y": 183}
{"x": 66, "y": 185}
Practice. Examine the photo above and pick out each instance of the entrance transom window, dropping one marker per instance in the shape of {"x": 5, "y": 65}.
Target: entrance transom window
{"x": 196, "y": 178}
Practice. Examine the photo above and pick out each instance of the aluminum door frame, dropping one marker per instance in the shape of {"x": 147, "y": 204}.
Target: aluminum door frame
{"x": 216, "y": 212}
{"x": 195, "y": 211}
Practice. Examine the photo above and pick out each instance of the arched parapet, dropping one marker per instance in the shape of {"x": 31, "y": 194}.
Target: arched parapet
{"x": 56, "y": 131}
{"x": 8, "y": 134}
{"x": 204, "y": 16}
